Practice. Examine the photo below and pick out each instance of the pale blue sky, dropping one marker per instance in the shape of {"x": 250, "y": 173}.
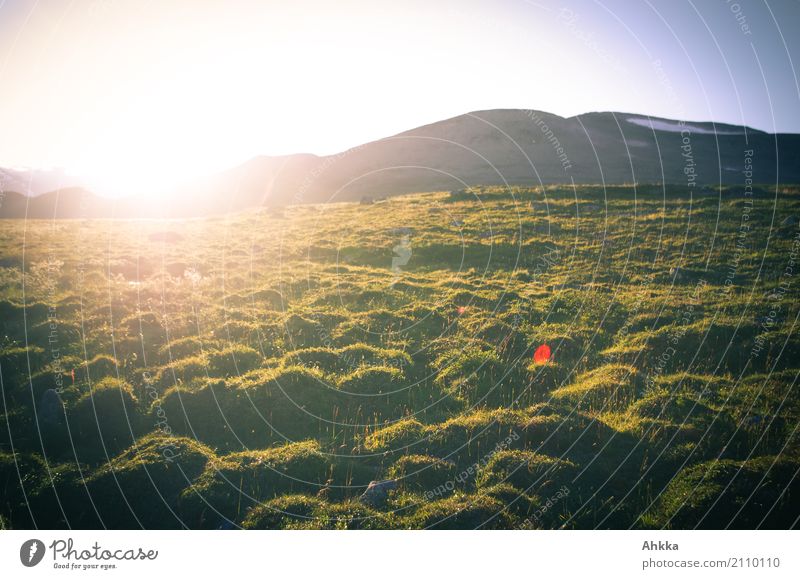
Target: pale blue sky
{"x": 182, "y": 88}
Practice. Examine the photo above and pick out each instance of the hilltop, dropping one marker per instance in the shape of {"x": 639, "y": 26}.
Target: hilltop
{"x": 506, "y": 147}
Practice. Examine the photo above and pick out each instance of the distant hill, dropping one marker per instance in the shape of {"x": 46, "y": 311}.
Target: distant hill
{"x": 33, "y": 182}
{"x": 495, "y": 147}
{"x": 73, "y": 202}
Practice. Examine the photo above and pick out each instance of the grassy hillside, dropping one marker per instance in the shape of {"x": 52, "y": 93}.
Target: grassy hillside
{"x": 260, "y": 370}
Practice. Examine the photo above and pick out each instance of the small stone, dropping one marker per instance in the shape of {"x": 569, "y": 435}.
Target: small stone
{"x": 377, "y": 492}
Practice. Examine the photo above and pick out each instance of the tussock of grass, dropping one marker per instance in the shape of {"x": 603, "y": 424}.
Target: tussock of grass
{"x": 303, "y": 512}
{"x": 759, "y": 493}
{"x": 612, "y": 386}
{"x": 398, "y": 435}
{"x": 234, "y": 360}
{"x": 104, "y": 420}
{"x": 153, "y": 472}
{"x": 230, "y": 485}
{"x": 372, "y": 380}
{"x": 535, "y": 473}
{"x": 460, "y": 512}
{"x": 420, "y": 473}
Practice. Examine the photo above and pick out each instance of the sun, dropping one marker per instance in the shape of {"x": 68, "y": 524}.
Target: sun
{"x": 151, "y": 146}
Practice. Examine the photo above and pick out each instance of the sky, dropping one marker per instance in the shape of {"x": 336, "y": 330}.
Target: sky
{"x": 144, "y": 94}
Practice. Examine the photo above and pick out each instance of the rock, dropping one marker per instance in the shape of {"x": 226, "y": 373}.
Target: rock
{"x": 377, "y": 492}
{"x": 51, "y": 409}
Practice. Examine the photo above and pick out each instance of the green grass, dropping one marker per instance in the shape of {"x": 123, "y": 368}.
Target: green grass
{"x": 260, "y": 372}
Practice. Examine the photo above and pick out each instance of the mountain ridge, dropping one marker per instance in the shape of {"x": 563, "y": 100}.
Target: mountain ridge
{"x": 505, "y": 147}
